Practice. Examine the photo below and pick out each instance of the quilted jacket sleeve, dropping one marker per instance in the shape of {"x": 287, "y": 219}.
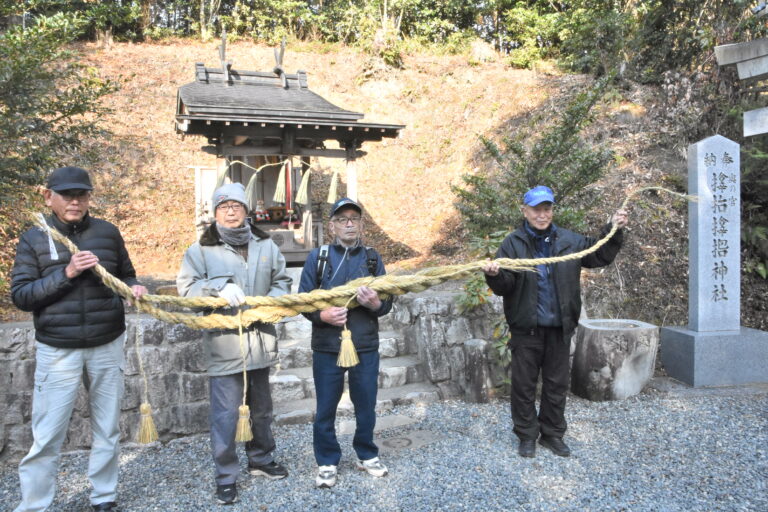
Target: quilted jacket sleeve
{"x": 30, "y": 290}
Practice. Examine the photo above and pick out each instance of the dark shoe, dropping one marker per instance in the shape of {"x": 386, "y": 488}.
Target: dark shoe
{"x": 107, "y": 505}
{"x": 226, "y": 494}
{"x": 555, "y": 444}
{"x": 527, "y": 448}
{"x": 273, "y": 470}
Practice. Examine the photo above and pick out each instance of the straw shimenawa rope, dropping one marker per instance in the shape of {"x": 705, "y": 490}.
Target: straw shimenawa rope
{"x": 273, "y": 309}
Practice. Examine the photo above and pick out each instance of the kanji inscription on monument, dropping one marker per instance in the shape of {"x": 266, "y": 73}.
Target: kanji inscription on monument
{"x": 714, "y": 223}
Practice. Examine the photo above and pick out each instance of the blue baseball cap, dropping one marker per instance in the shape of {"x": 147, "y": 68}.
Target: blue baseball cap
{"x": 344, "y": 202}
{"x": 538, "y": 195}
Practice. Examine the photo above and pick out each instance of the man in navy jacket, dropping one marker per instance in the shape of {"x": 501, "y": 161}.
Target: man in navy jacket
{"x": 542, "y": 310}
{"x": 343, "y": 261}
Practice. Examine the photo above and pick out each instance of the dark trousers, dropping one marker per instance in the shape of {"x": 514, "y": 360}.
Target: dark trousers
{"x": 545, "y": 350}
{"x": 226, "y": 398}
{"x": 329, "y": 385}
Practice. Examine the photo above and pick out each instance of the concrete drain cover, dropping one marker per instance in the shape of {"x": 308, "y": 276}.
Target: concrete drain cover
{"x": 409, "y": 440}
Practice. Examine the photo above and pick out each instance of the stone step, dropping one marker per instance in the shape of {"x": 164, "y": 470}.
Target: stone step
{"x": 297, "y": 352}
{"x": 294, "y": 412}
{"x": 297, "y": 383}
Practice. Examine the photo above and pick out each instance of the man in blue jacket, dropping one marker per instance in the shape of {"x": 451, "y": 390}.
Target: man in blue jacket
{"x": 327, "y": 267}
{"x": 80, "y": 330}
{"x": 542, "y": 310}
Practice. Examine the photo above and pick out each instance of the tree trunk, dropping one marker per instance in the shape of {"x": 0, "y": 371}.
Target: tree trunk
{"x": 104, "y": 38}
{"x": 145, "y": 21}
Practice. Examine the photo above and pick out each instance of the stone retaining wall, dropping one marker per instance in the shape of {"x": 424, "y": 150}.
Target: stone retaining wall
{"x": 451, "y": 346}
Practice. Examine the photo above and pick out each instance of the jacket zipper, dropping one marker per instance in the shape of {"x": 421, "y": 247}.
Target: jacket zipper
{"x": 82, "y": 298}
{"x": 343, "y": 260}
{"x": 247, "y": 291}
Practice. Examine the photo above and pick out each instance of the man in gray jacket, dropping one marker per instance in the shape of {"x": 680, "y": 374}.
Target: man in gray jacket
{"x": 234, "y": 259}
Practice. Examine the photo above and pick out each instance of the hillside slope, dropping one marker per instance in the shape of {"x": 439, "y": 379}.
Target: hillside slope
{"x": 404, "y": 184}
{"x": 145, "y": 183}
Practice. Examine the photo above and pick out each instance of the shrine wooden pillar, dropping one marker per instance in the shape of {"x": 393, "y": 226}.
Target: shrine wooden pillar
{"x": 351, "y": 168}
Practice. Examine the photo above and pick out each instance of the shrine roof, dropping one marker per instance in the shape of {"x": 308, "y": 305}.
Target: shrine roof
{"x": 253, "y": 95}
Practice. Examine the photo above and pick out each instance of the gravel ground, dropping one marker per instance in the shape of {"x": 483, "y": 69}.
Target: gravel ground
{"x": 659, "y": 451}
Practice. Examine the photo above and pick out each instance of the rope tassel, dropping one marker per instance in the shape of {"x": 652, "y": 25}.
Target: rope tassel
{"x": 147, "y": 429}
{"x": 302, "y": 193}
{"x": 333, "y": 188}
{"x": 243, "y": 432}
{"x": 347, "y": 354}
{"x": 279, "y": 196}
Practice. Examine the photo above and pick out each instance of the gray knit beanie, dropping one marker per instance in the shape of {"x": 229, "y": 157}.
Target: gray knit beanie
{"x": 230, "y": 192}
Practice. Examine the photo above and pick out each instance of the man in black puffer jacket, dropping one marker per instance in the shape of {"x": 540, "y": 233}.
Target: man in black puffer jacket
{"x": 79, "y": 327}
{"x": 542, "y": 310}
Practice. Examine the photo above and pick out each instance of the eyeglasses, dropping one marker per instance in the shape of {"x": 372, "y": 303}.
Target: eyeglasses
{"x": 345, "y": 220}
{"x": 235, "y": 207}
{"x": 71, "y": 195}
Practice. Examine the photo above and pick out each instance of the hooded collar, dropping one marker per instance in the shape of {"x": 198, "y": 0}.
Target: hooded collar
{"x": 211, "y": 235}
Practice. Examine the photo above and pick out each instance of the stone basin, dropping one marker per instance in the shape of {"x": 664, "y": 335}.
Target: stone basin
{"x": 613, "y": 358}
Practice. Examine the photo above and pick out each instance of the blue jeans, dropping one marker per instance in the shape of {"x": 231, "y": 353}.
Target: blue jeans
{"x": 329, "y": 385}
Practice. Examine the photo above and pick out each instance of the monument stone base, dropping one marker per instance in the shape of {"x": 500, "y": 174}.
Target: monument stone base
{"x": 715, "y": 358}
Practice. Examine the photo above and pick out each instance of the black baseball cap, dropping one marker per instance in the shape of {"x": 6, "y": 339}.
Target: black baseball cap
{"x": 69, "y": 178}
{"x": 344, "y": 202}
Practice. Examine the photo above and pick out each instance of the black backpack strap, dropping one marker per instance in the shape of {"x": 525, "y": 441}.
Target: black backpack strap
{"x": 372, "y": 260}
{"x": 322, "y": 263}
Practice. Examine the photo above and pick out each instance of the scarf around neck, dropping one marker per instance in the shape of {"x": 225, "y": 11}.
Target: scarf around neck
{"x": 235, "y": 236}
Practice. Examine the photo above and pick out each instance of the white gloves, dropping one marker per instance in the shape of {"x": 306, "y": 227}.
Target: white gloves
{"x": 233, "y": 294}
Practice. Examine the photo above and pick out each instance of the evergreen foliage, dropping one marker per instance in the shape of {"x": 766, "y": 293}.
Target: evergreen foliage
{"x": 49, "y": 102}
{"x": 558, "y": 157}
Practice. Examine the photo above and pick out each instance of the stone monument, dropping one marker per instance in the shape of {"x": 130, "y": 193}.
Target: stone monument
{"x": 714, "y": 349}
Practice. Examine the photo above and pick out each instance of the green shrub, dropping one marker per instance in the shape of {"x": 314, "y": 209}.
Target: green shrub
{"x": 524, "y": 57}
{"x": 50, "y": 102}
{"x": 594, "y": 41}
{"x": 459, "y": 42}
{"x": 556, "y": 157}
{"x": 268, "y": 21}
{"x": 754, "y": 196}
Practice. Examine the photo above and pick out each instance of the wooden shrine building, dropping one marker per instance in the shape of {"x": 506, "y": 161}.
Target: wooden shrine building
{"x": 253, "y": 119}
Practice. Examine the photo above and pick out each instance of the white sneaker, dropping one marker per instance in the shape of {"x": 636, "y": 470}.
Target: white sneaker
{"x": 326, "y": 477}
{"x": 373, "y": 466}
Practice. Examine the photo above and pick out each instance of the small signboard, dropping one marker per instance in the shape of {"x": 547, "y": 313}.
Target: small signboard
{"x": 751, "y": 59}
{"x": 756, "y": 122}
